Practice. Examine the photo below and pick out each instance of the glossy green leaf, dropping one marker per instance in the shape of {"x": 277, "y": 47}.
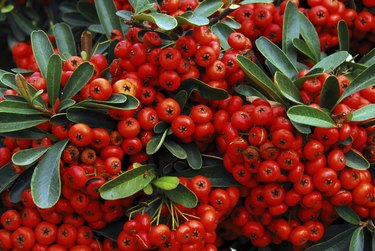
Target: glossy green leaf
{"x": 128, "y": 183}
{"x": 343, "y": 34}
{"x": 59, "y": 119}
{"x": 311, "y": 74}
{"x": 310, "y": 36}
{"x": 330, "y": 93}
{"x": 307, "y": 115}
{"x": 125, "y": 14}
{"x": 255, "y": 1}
{"x": 28, "y": 156}
{"x": 362, "y": 81}
{"x": 208, "y": 7}
{"x": 181, "y": 97}
{"x": 155, "y": 143}
{"x": 7, "y": 9}
{"x": 97, "y": 28}
{"x": 355, "y": 160}
{"x": 8, "y": 79}
{"x": 304, "y": 129}
{"x": 22, "y": 183}
{"x": 248, "y": 91}
{"x": 348, "y": 214}
{"x": 29, "y": 93}
{"x": 65, "y": 104}
{"x": 21, "y": 71}
{"x": 160, "y": 127}
{"x": 10, "y": 122}
{"x": 302, "y": 47}
{"x": 339, "y": 241}
{"x": 362, "y": 114}
{"x": 23, "y": 23}
{"x": 190, "y": 19}
{"x": 163, "y": 21}
{"x": 232, "y": 23}
{"x": 74, "y": 19}
{"x": 357, "y": 241}
{"x": 91, "y": 117}
{"x": 290, "y": 30}
{"x": 260, "y": 79}
{"x": 88, "y": 11}
{"x": 373, "y": 241}
{"x": 7, "y": 176}
{"x": 287, "y": 88}
{"x": 112, "y": 230}
{"x": 45, "y": 182}
{"x": 106, "y": 11}
{"x": 148, "y": 190}
{"x": 331, "y": 62}
{"x": 17, "y": 107}
{"x": 116, "y": 101}
{"x": 65, "y": 40}
{"x": 194, "y": 157}
{"x": 276, "y": 57}
{"x": 77, "y": 80}
{"x": 140, "y": 5}
{"x": 42, "y": 50}
{"x": 175, "y": 149}
{"x": 29, "y": 133}
{"x": 54, "y": 69}
{"x": 166, "y": 182}
{"x": 182, "y": 195}
{"x": 203, "y": 89}
{"x": 368, "y": 59}
{"x": 222, "y": 31}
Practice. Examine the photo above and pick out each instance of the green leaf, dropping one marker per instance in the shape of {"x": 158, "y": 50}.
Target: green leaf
{"x": 106, "y": 11}
{"x": 362, "y": 114}
{"x": 337, "y": 242}
{"x": 343, "y": 34}
{"x": 116, "y": 101}
{"x": 42, "y": 50}
{"x": 7, "y": 176}
{"x": 17, "y": 107}
{"x": 29, "y": 133}
{"x": 232, "y": 23}
{"x": 330, "y": 93}
{"x": 65, "y": 104}
{"x": 182, "y": 195}
{"x": 77, "y": 80}
{"x": 348, "y": 214}
{"x": 155, "y": 143}
{"x": 222, "y": 31}
{"x": 208, "y": 7}
{"x": 175, "y": 149}
{"x": 248, "y": 91}
{"x": 59, "y": 119}
{"x": 11, "y": 122}
{"x": 65, "y": 40}
{"x": 255, "y": 1}
{"x": 97, "y": 28}
{"x": 304, "y": 129}
{"x": 332, "y": 61}
{"x": 125, "y": 14}
{"x": 166, "y": 182}
{"x": 368, "y": 59}
{"x": 54, "y": 69}
{"x": 88, "y": 11}
{"x": 7, "y": 9}
{"x": 310, "y": 36}
{"x": 276, "y": 57}
{"x": 22, "y": 183}
{"x": 302, "y": 46}
{"x": 23, "y": 23}
{"x": 189, "y": 18}
{"x": 357, "y": 242}
{"x": 260, "y": 79}
{"x": 28, "y": 156}
{"x": 290, "y": 30}
{"x": 311, "y": 74}
{"x": 8, "y": 79}
{"x": 181, "y": 97}
{"x": 75, "y": 19}
{"x": 46, "y": 183}
{"x": 163, "y": 21}
{"x": 91, "y": 117}
{"x": 194, "y": 157}
{"x": 21, "y": 71}
{"x": 206, "y": 91}
{"x": 287, "y": 88}
{"x": 128, "y": 183}
{"x": 112, "y": 230}
{"x": 307, "y": 115}
{"x": 355, "y": 160}
{"x": 362, "y": 81}
{"x": 29, "y": 93}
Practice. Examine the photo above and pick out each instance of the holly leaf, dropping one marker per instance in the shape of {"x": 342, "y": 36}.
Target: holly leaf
{"x": 355, "y": 160}
{"x": 77, "y": 80}
{"x": 42, "y": 50}
{"x": 182, "y": 195}
{"x": 28, "y": 156}
{"x": 166, "y": 182}
{"x": 348, "y": 214}
{"x": 310, "y": 116}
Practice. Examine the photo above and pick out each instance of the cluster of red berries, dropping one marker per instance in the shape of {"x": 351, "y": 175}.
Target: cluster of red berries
{"x": 23, "y": 56}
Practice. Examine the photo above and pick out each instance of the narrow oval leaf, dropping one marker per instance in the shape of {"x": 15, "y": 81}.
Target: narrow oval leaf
{"x": 54, "y": 69}
{"x": 116, "y": 101}
{"x": 125, "y": 14}
{"x": 222, "y": 31}
{"x": 23, "y": 23}
{"x": 65, "y": 104}
{"x": 175, "y": 149}
{"x": 304, "y": 129}
{"x": 29, "y": 133}
{"x": 290, "y": 30}
{"x": 206, "y": 91}
{"x": 276, "y": 57}
{"x": 302, "y": 46}
{"x": 45, "y": 182}
{"x": 75, "y": 19}
{"x": 248, "y": 91}
{"x": 355, "y": 160}
{"x": 348, "y": 214}
{"x": 9, "y": 80}
{"x": 88, "y": 11}
{"x": 232, "y": 23}
{"x": 368, "y": 59}
{"x": 208, "y": 7}
{"x": 194, "y": 157}
{"x": 128, "y": 183}
{"x": 21, "y": 71}
{"x": 77, "y": 80}
{"x": 17, "y": 107}
{"x": 65, "y": 40}
{"x": 42, "y": 50}
{"x": 330, "y": 93}
{"x": 163, "y": 21}
{"x": 337, "y": 242}
{"x": 28, "y": 156}
{"x": 190, "y": 19}
{"x": 22, "y": 183}
{"x": 358, "y": 240}
{"x": 166, "y": 182}
{"x": 148, "y": 190}
{"x": 182, "y": 195}
{"x": 343, "y": 34}
{"x": 106, "y": 10}
{"x": 255, "y": 1}
{"x": 287, "y": 88}
{"x": 362, "y": 81}
{"x": 91, "y": 117}
{"x": 307, "y": 115}
{"x": 331, "y": 62}
{"x": 362, "y": 114}
{"x": 155, "y": 143}
{"x": 181, "y": 97}
{"x": 11, "y": 122}
{"x": 7, "y": 176}
{"x": 310, "y": 35}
